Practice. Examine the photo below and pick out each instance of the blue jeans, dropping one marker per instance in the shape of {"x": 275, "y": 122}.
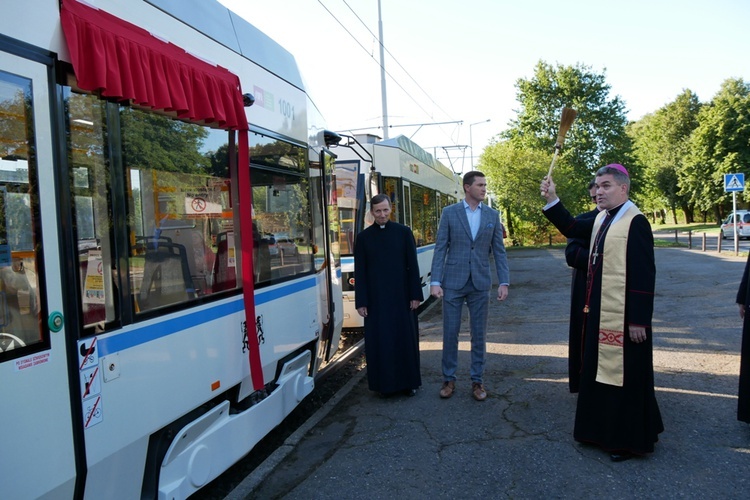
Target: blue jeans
{"x": 453, "y": 301}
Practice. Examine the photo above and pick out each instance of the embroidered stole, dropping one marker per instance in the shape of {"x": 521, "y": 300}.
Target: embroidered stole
{"x": 610, "y": 368}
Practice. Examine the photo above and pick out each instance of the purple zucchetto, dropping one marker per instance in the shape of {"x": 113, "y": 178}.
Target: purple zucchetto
{"x": 619, "y": 167}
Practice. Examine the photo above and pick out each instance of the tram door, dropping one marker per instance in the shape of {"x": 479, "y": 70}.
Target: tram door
{"x": 335, "y": 289}
{"x": 407, "y": 203}
{"x": 325, "y": 216}
{"x": 37, "y": 449}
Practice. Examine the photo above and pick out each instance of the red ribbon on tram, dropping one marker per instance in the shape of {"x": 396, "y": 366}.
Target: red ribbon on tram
{"x": 246, "y": 236}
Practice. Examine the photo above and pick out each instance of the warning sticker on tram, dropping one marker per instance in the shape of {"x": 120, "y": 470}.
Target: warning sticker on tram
{"x": 92, "y": 411}
{"x": 200, "y": 206}
{"x": 88, "y": 354}
{"x": 91, "y": 384}
{"x": 93, "y": 289}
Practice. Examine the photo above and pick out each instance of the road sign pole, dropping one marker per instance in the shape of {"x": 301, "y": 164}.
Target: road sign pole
{"x": 734, "y": 183}
{"x": 734, "y": 215}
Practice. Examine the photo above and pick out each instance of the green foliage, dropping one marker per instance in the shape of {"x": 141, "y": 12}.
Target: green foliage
{"x": 661, "y": 147}
{"x": 597, "y": 136}
{"x": 516, "y": 164}
{"x": 515, "y": 173}
{"x": 219, "y": 160}
{"x": 14, "y": 125}
{"x": 152, "y": 141}
{"x": 719, "y": 145}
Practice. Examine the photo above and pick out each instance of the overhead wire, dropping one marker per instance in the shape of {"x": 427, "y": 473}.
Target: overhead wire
{"x": 376, "y": 62}
{"x": 396, "y": 60}
{"x": 379, "y": 63}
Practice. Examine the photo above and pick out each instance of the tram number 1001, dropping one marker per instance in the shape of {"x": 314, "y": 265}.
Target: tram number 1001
{"x": 286, "y": 108}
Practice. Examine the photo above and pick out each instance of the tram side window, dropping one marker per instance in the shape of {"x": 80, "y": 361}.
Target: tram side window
{"x": 390, "y": 187}
{"x": 282, "y": 245}
{"x": 346, "y": 199}
{"x": 90, "y": 185}
{"x": 20, "y": 306}
{"x": 181, "y": 223}
{"x": 423, "y": 214}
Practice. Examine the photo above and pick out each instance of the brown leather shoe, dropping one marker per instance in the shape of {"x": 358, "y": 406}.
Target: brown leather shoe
{"x": 478, "y": 391}
{"x": 447, "y": 390}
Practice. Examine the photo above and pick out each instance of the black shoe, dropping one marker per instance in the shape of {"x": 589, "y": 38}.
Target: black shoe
{"x": 410, "y": 392}
{"x": 620, "y": 456}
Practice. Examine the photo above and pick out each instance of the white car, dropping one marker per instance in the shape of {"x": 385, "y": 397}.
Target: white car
{"x": 743, "y": 225}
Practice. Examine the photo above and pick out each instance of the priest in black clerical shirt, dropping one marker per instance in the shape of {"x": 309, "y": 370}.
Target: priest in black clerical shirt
{"x": 388, "y": 292}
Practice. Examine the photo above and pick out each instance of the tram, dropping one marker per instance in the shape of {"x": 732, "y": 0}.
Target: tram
{"x": 419, "y": 187}
{"x": 170, "y": 275}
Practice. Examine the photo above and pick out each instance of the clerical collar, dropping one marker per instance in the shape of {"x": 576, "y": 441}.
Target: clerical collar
{"x": 382, "y": 226}
{"x": 616, "y": 213}
{"x": 613, "y": 211}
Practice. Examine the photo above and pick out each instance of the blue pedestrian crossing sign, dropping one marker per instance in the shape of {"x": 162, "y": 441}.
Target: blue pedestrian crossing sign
{"x": 734, "y": 182}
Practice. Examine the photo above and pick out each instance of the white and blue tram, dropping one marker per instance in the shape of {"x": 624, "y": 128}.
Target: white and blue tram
{"x": 418, "y": 185}
{"x": 170, "y": 277}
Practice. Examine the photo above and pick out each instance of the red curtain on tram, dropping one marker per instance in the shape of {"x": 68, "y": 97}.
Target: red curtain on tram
{"x": 120, "y": 60}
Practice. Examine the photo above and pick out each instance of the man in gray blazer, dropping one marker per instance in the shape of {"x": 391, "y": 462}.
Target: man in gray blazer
{"x": 469, "y": 231}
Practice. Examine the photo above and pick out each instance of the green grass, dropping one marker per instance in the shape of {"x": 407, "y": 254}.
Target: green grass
{"x": 661, "y": 243}
{"x": 695, "y": 227}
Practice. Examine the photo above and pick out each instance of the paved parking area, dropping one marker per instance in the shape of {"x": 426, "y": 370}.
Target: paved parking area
{"x": 518, "y": 443}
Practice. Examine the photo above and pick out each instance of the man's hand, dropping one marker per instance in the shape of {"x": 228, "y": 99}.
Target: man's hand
{"x": 637, "y": 334}
{"x": 436, "y": 291}
{"x": 502, "y": 292}
{"x": 547, "y": 189}
{"x": 413, "y": 304}
{"x": 362, "y": 311}
{"x": 742, "y": 310}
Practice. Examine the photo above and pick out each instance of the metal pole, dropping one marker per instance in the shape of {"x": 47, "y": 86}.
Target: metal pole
{"x": 734, "y": 216}
{"x": 471, "y": 140}
{"x": 382, "y": 75}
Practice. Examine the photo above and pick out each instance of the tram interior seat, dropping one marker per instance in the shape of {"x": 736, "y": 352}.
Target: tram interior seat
{"x": 225, "y": 276}
{"x": 200, "y": 256}
{"x": 166, "y": 274}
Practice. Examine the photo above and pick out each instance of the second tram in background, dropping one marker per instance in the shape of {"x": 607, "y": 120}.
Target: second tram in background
{"x": 418, "y": 186}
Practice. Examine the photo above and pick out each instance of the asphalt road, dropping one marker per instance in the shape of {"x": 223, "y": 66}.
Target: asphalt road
{"x": 518, "y": 443}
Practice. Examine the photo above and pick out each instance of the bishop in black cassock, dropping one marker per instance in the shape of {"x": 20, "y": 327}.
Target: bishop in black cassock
{"x": 622, "y": 416}
{"x": 388, "y": 286}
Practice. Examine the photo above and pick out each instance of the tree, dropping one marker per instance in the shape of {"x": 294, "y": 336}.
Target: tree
{"x": 515, "y": 173}
{"x": 516, "y": 163}
{"x": 597, "y": 136}
{"x": 660, "y": 147}
{"x": 152, "y": 141}
{"x": 719, "y": 145}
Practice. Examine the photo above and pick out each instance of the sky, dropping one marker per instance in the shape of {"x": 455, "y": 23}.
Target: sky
{"x": 459, "y": 60}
